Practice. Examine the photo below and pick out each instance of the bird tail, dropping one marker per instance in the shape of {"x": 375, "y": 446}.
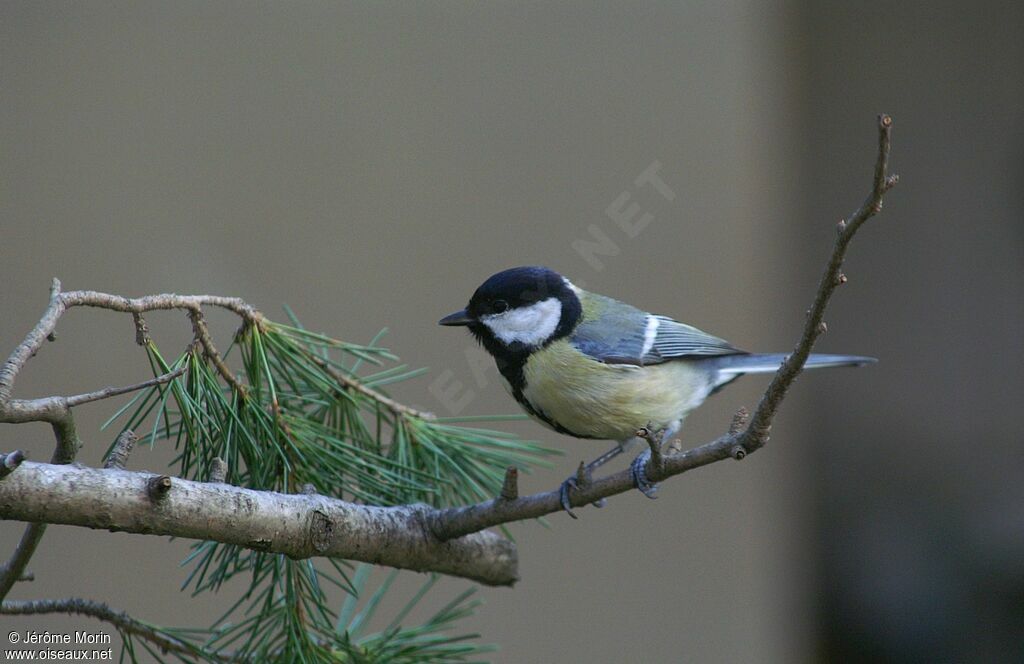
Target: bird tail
{"x": 730, "y": 366}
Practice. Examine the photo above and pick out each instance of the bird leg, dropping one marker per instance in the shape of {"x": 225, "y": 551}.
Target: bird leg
{"x": 584, "y": 475}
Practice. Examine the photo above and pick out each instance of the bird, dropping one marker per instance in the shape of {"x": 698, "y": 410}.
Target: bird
{"x": 592, "y": 367}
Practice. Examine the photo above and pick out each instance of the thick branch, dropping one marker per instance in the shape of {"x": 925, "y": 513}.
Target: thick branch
{"x": 299, "y": 526}
{"x": 455, "y": 522}
{"x": 119, "y": 619}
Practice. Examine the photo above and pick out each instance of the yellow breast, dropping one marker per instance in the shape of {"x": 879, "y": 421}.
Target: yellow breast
{"x": 608, "y": 401}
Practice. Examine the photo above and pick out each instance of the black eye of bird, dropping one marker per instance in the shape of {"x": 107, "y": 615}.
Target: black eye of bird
{"x": 499, "y": 306}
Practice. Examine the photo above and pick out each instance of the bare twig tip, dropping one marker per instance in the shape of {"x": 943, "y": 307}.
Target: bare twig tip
{"x": 581, "y": 476}
{"x": 885, "y": 121}
{"x": 654, "y": 440}
{"x": 218, "y": 470}
{"x": 10, "y": 461}
{"x": 510, "y": 487}
{"x": 157, "y": 486}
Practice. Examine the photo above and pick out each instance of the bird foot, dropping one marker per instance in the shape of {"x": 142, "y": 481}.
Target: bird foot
{"x": 639, "y": 475}
{"x": 582, "y": 478}
{"x": 570, "y": 484}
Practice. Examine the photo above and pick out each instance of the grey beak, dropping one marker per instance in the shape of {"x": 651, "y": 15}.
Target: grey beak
{"x": 457, "y": 318}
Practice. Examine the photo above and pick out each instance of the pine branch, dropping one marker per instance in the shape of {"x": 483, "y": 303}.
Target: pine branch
{"x": 268, "y": 419}
{"x": 296, "y": 421}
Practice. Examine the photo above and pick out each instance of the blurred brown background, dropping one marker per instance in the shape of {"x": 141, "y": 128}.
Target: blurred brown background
{"x": 369, "y": 165}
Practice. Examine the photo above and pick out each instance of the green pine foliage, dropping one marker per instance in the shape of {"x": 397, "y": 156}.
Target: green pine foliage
{"x": 308, "y": 412}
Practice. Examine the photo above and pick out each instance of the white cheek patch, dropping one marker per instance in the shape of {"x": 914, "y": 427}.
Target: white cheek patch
{"x": 530, "y": 325}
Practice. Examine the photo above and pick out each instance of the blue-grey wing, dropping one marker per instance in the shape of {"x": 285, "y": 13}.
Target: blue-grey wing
{"x": 630, "y": 336}
{"x": 673, "y": 339}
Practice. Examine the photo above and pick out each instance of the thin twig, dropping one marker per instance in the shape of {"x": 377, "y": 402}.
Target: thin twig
{"x": 654, "y": 439}
{"x": 756, "y": 434}
{"x": 107, "y": 392}
{"x": 33, "y": 342}
{"x": 51, "y": 409}
{"x": 120, "y": 619}
{"x": 163, "y": 301}
{"x": 141, "y": 329}
{"x": 203, "y": 335}
{"x": 354, "y": 384}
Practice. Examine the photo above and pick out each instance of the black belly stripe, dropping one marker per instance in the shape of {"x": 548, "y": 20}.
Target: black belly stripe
{"x": 512, "y": 370}
{"x": 511, "y": 360}
{"x": 541, "y": 415}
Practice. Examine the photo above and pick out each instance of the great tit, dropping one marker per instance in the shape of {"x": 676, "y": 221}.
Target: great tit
{"x": 590, "y": 366}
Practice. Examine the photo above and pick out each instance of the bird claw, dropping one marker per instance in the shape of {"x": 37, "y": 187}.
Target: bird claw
{"x": 639, "y": 475}
{"x": 581, "y": 479}
{"x": 563, "y": 495}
